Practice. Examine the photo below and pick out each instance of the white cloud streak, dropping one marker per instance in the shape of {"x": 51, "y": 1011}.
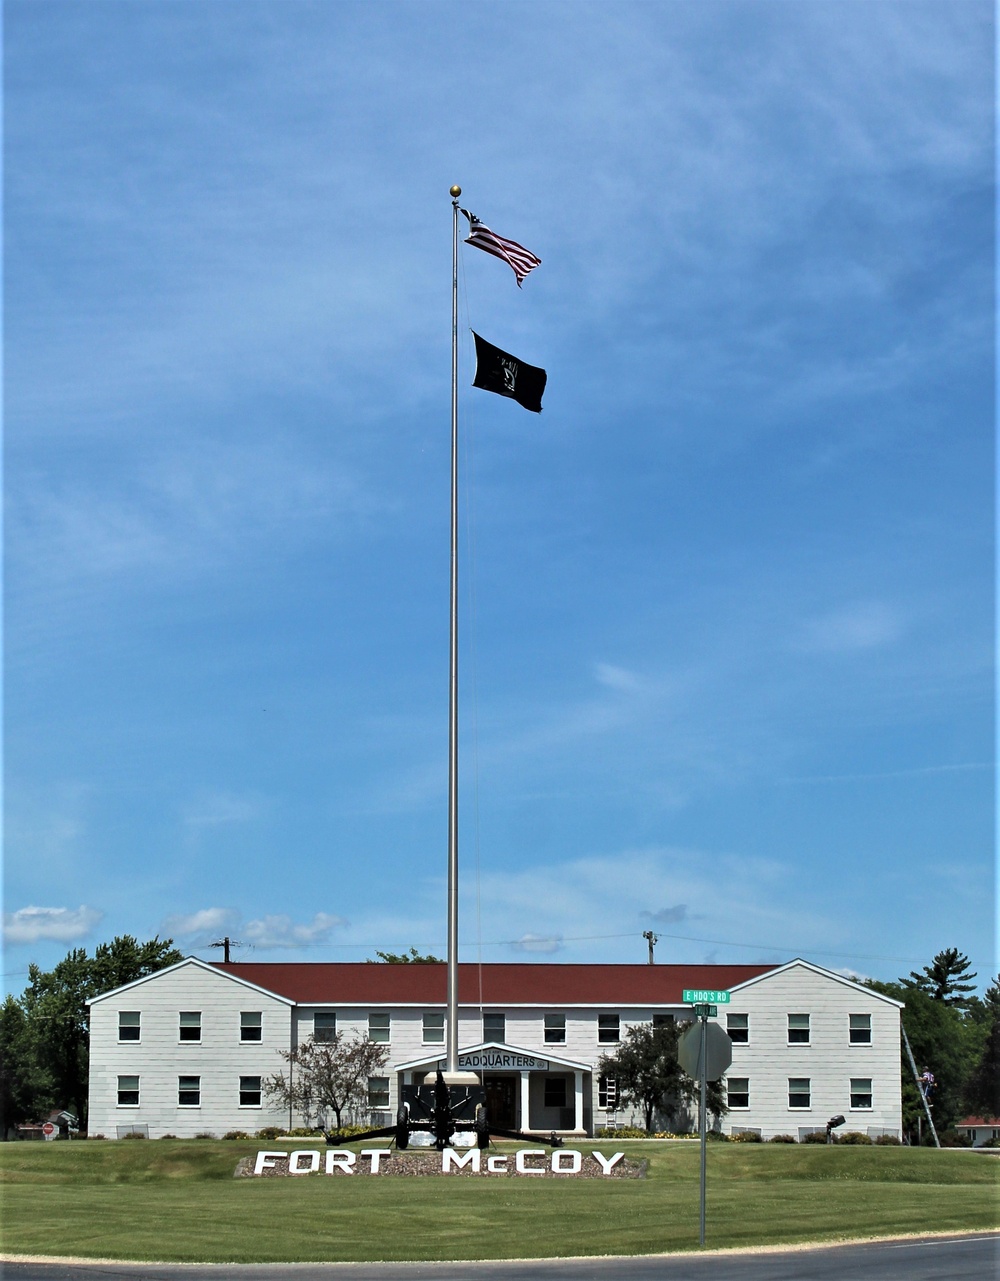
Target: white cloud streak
{"x": 50, "y": 924}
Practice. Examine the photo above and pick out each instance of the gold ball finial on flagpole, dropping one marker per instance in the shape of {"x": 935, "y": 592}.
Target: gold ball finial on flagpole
{"x": 456, "y": 191}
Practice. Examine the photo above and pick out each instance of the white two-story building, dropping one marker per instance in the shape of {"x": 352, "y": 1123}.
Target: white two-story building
{"x": 187, "y": 1050}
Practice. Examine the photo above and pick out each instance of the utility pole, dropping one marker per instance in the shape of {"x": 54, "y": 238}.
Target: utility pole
{"x": 226, "y": 943}
{"x": 652, "y": 939}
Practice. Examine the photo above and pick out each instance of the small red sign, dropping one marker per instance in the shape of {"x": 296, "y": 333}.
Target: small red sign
{"x": 48, "y": 1128}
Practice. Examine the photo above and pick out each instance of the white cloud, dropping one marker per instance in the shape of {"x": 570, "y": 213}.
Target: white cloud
{"x": 861, "y": 626}
{"x": 218, "y": 808}
{"x": 207, "y": 925}
{"x": 201, "y": 928}
{"x": 619, "y": 678}
{"x": 280, "y": 931}
{"x": 60, "y": 924}
{"x": 538, "y": 943}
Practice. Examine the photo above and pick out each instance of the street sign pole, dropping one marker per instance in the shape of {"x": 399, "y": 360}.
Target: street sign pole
{"x": 702, "y": 1127}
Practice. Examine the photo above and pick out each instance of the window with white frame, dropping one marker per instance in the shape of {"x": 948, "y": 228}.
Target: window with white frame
{"x": 607, "y": 1092}
{"x": 379, "y": 1027}
{"x": 129, "y": 1025}
{"x": 608, "y": 1029}
{"x": 798, "y": 1029}
{"x": 799, "y": 1092}
{"x": 128, "y": 1091}
{"x": 189, "y": 1091}
{"x": 555, "y": 1029}
{"x": 251, "y": 1025}
{"x": 738, "y": 1028}
{"x": 861, "y": 1092}
{"x": 324, "y": 1027}
{"x": 738, "y": 1091}
{"x": 378, "y": 1091}
{"x": 860, "y": 1030}
{"x": 190, "y": 1025}
{"x": 249, "y": 1091}
{"x": 495, "y": 1028}
{"x": 433, "y": 1029}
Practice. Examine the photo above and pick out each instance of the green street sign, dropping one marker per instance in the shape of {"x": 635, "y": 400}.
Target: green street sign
{"x": 706, "y": 1011}
{"x": 701, "y": 996}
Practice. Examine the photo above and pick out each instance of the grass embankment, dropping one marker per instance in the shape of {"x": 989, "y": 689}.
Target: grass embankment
{"x": 173, "y": 1200}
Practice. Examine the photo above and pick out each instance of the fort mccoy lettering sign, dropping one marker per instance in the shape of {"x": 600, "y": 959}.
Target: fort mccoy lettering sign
{"x": 371, "y": 1161}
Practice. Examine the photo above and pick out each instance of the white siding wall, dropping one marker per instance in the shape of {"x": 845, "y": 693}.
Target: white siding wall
{"x": 159, "y": 1057}
{"x": 829, "y": 1061}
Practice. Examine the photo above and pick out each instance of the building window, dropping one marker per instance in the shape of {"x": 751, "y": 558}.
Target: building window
{"x": 555, "y": 1029}
{"x": 799, "y": 1092}
{"x": 251, "y": 1025}
{"x": 663, "y": 1020}
{"x": 128, "y": 1091}
{"x": 378, "y": 1027}
{"x": 249, "y": 1091}
{"x": 378, "y": 1091}
{"x": 607, "y": 1092}
{"x": 738, "y": 1091}
{"x": 189, "y": 1091}
{"x": 128, "y": 1025}
{"x": 495, "y": 1028}
{"x": 798, "y": 1029}
{"x": 555, "y": 1091}
{"x": 861, "y": 1092}
{"x": 190, "y": 1025}
{"x": 861, "y": 1029}
{"x": 433, "y": 1029}
{"x": 325, "y": 1027}
{"x": 608, "y": 1029}
{"x": 738, "y": 1027}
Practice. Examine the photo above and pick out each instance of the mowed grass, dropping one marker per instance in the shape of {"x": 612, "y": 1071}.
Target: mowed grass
{"x": 172, "y": 1200}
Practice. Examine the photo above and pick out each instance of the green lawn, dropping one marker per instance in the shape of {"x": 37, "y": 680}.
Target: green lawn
{"x": 174, "y": 1200}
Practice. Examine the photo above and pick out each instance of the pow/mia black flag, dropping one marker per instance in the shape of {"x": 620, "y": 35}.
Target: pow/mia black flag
{"x": 503, "y": 373}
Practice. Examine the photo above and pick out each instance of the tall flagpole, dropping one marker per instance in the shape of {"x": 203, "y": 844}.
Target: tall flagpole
{"x": 451, "y": 1033}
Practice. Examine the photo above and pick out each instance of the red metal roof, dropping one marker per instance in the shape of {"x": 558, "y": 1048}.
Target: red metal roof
{"x": 366, "y": 983}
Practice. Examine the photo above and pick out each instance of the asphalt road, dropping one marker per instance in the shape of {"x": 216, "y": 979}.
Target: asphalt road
{"x": 972, "y": 1258}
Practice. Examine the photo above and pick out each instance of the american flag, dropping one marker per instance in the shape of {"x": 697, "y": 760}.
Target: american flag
{"x": 519, "y": 259}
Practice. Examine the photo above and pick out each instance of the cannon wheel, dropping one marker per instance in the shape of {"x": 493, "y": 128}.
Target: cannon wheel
{"x": 402, "y": 1128}
{"x": 482, "y": 1127}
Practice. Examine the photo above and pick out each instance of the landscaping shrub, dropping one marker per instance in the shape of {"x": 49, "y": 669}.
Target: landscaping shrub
{"x": 717, "y": 1136}
{"x": 817, "y": 1136}
{"x": 782, "y": 1138}
{"x": 625, "y": 1132}
{"x": 97, "y": 1136}
{"x": 853, "y": 1136}
{"x": 204, "y": 1135}
{"x": 954, "y": 1139}
{"x": 133, "y": 1135}
{"x": 888, "y": 1140}
{"x": 236, "y": 1134}
{"x": 304, "y": 1132}
{"x": 168, "y": 1136}
{"x": 269, "y": 1132}
{"x": 746, "y": 1136}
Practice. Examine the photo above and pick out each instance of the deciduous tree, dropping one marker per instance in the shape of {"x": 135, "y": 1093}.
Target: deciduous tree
{"x": 327, "y": 1076}
{"x": 648, "y": 1075}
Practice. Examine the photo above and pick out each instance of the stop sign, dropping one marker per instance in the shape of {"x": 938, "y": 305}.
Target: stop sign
{"x": 48, "y": 1129}
{"x": 718, "y": 1050}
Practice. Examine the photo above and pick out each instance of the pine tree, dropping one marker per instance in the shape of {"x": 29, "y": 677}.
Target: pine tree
{"x": 946, "y": 978}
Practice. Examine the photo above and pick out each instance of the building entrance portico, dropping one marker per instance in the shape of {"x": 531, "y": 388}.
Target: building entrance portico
{"x": 518, "y": 1086}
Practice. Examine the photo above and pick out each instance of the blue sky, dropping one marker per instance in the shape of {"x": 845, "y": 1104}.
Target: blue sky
{"x": 727, "y": 603}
